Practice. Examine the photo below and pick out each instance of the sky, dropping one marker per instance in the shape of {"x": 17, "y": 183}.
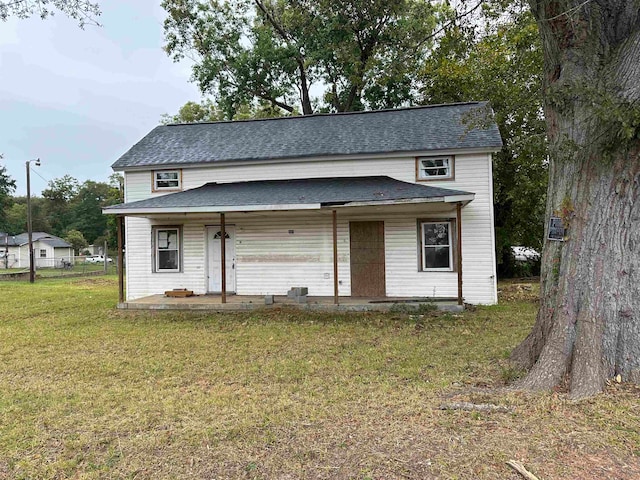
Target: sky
{"x": 78, "y": 99}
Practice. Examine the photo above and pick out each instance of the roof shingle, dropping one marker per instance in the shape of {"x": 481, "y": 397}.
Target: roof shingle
{"x": 323, "y": 191}
{"x": 437, "y": 127}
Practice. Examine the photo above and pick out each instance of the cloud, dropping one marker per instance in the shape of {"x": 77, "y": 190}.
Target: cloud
{"x": 79, "y": 98}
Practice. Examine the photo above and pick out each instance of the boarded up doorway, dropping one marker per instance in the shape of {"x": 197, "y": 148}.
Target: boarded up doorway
{"x": 367, "y": 259}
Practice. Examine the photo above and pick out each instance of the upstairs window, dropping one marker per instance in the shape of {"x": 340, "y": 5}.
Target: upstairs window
{"x": 434, "y": 168}
{"x": 437, "y": 246}
{"x": 167, "y": 180}
{"x": 167, "y": 249}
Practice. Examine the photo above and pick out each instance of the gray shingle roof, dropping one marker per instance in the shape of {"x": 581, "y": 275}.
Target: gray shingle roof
{"x": 436, "y": 127}
{"x": 52, "y": 240}
{"x": 324, "y": 191}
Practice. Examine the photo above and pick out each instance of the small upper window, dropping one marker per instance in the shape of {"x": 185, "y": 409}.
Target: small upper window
{"x": 434, "y": 168}
{"x": 167, "y": 250}
{"x": 167, "y": 180}
{"x": 437, "y": 248}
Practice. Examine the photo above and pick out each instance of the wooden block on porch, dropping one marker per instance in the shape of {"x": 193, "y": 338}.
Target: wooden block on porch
{"x": 178, "y": 292}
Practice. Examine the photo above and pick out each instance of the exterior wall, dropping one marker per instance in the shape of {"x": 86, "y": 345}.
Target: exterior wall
{"x": 13, "y": 256}
{"x": 23, "y": 256}
{"x": 270, "y": 260}
{"x": 20, "y": 255}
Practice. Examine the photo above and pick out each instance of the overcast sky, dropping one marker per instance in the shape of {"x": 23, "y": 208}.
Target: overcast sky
{"x": 78, "y": 99}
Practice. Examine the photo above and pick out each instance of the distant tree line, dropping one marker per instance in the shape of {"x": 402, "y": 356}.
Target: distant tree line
{"x": 67, "y": 208}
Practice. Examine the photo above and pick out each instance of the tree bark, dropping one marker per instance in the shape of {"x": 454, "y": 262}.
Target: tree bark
{"x": 588, "y": 325}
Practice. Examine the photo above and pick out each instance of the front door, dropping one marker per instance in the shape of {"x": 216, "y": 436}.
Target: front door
{"x": 215, "y": 254}
{"x": 367, "y": 259}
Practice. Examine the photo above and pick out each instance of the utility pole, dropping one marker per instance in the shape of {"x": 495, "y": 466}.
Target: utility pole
{"x": 32, "y": 271}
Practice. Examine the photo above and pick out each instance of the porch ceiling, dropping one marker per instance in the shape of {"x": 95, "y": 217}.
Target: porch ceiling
{"x": 300, "y": 194}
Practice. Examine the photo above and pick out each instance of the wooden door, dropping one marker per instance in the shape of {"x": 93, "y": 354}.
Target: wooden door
{"x": 367, "y": 259}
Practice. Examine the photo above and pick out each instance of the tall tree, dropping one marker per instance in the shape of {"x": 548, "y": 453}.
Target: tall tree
{"x": 361, "y": 53}
{"x": 76, "y": 240}
{"x": 17, "y": 215}
{"x": 87, "y": 209}
{"x": 83, "y": 11}
{"x": 588, "y": 326}
{"x": 497, "y": 56}
{"x": 58, "y": 195}
{"x": 7, "y": 187}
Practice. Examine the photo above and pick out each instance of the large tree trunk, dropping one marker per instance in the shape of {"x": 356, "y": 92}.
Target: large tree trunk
{"x": 588, "y": 325}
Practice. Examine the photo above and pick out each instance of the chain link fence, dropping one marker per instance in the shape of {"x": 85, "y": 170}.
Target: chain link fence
{"x": 65, "y": 266}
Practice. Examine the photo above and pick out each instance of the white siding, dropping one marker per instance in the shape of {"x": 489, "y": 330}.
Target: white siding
{"x": 138, "y": 184}
{"x": 141, "y": 281}
{"x": 270, "y": 260}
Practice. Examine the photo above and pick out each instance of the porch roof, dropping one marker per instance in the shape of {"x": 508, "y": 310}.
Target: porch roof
{"x": 298, "y": 194}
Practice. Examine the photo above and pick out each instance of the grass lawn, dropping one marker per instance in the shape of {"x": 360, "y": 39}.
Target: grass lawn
{"x": 87, "y": 391}
{"x": 78, "y": 268}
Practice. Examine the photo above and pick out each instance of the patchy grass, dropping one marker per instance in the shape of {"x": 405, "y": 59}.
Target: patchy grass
{"x": 90, "y": 392}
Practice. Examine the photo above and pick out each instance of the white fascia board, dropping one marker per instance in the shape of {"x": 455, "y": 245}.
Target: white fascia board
{"x": 320, "y": 158}
{"x": 449, "y": 199}
{"x": 459, "y": 198}
{"x": 210, "y": 209}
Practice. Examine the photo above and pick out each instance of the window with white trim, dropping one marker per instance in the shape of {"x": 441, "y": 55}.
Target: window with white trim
{"x": 167, "y": 249}
{"x": 167, "y": 180}
{"x": 43, "y": 253}
{"x": 437, "y": 246}
{"x": 434, "y": 168}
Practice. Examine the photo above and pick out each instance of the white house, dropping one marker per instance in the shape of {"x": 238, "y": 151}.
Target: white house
{"x": 391, "y": 203}
{"x": 49, "y": 251}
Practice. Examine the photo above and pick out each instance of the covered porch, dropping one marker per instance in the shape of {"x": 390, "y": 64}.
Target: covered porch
{"x": 355, "y": 242}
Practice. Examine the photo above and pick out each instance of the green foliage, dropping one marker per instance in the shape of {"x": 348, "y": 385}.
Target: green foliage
{"x": 58, "y": 195}
{"x": 66, "y": 205}
{"x": 7, "y": 187}
{"x": 76, "y": 240}
{"x": 17, "y": 215}
{"x": 208, "y": 111}
{"x": 86, "y": 209}
{"x": 361, "y": 54}
{"x": 499, "y": 58}
{"x": 83, "y": 11}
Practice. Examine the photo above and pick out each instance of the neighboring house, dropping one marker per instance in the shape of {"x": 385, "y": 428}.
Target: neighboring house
{"x": 397, "y": 184}
{"x": 49, "y": 250}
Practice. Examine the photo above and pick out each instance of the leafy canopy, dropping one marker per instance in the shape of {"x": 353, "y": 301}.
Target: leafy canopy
{"x": 358, "y": 54}
{"x": 498, "y": 57}
{"x": 7, "y": 187}
{"x": 83, "y": 11}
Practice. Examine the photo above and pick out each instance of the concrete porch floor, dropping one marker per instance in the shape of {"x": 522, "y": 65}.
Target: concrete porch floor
{"x": 255, "y": 302}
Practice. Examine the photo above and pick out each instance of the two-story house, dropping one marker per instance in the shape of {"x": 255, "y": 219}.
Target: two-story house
{"x": 391, "y": 203}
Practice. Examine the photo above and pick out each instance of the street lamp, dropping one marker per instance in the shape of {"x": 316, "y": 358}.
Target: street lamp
{"x": 32, "y": 271}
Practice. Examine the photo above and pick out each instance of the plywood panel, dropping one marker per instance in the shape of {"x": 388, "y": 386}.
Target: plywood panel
{"x": 367, "y": 259}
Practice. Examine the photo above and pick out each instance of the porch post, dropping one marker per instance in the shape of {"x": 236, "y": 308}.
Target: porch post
{"x": 223, "y": 259}
{"x": 335, "y": 257}
{"x": 459, "y": 227}
{"x": 120, "y": 259}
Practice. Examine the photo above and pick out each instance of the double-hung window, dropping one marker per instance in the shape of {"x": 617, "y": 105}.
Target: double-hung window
{"x": 437, "y": 246}
{"x": 167, "y": 180}
{"x": 434, "y": 168}
{"x": 167, "y": 249}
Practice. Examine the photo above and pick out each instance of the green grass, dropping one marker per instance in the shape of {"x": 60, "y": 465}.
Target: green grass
{"x": 87, "y": 391}
{"x": 78, "y": 268}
